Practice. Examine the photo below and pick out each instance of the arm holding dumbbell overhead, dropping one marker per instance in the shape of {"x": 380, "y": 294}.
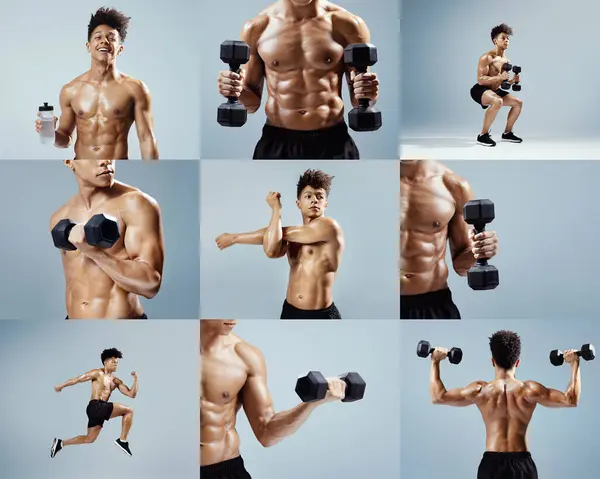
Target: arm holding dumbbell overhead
{"x": 141, "y": 272}
{"x": 271, "y": 427}
{"x": 537, "y": 393}
{"x": 458, "y": 397}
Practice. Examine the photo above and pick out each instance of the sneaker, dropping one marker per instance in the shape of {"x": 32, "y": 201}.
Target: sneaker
{"x": 511, "y": 137}
{"x": 56, "y": 446}
{"x": 124, "y": 446}
{"x": 486, "y": 140}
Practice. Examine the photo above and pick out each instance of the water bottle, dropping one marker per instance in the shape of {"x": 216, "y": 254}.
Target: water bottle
{"x": 47, "y": 117}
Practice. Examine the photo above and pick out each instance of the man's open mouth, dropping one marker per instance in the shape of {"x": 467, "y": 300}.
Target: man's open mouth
{"x": 104, "y": 50}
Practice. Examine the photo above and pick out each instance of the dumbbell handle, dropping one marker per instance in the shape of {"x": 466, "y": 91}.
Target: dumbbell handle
{"x": 561, "y": 354}
{"x": 235, "y": 68}
{"x": 480, "y": 228}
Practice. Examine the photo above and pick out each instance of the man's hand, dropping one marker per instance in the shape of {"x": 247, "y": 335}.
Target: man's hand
{"x": 77, "y": 238}
{"x": 571, "y": 356}
{"x": 365, "y": 85}
{"x": 336, "y": 390}
{"x": 483, "y": 245}
{"x": 224, "y": 241}
{"x": 134, "y": 374}
{"x": 38, "y": 123}
{"x": 58, "y": 388}
{"x": 230, "y": 83}
{"x": 439, "y": 354}
{"x": 516, "y": 79}
{"x": 274, "y": 200}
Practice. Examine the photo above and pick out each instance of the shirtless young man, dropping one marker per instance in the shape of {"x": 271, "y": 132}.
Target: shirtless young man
{"x": 314, "y": 250}
{"x": 487, "y": 91}
{"x": 104, "y": 102}
{"x": 233, "y": 374}
{"x": 107, "y": 283}
{"x": 432, "y": 198}
{"x": 506, "y": 405}
{"x": 297, "y": 46}
{"x": 99, "y": 409}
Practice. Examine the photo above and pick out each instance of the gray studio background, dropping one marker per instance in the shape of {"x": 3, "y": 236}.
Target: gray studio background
{"x": 381, "y": 16}
{"x": 448, "y": 38}
{"x": 164, "y": 435}
{"x": 241, "y": 282}
{"x": 359, "y": 439}
{"x": 32, "y": 274}
{"x": 562, "y": 441}
{"x": 48, "y": 51}
{"x": 546, "y": 226}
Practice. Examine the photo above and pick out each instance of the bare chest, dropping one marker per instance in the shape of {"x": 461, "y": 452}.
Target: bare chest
{"x": 222, "y": 379}
{"x": 102, "y": 103}
{"x": 426, "y": 206}
{"x": 300, "y": 46}
{"x": 313, "y": 253}
{"x": 496, "y": 66}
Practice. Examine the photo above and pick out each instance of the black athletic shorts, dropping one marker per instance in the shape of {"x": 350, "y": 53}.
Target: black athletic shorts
{"x": 143, "y": 316}
{"x": 432, "y": 305}
{"x": 291, "y": 312}
{"x": 478, "y": 90}
{"x": 332, "y": 143}
{"x": 98, "y": 411}
{"x": 230, "y": 469}
{"x": 507, "y": 465}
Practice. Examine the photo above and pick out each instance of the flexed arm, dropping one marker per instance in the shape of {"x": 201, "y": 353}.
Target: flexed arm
{"x": 457, "y": 397}
{"x": 79, "y": 379}
{"x": 537, "y": 393}
{"x": 125, "y": 390}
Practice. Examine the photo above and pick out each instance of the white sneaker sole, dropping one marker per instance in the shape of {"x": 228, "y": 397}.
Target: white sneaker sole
{"x": 117, "y": 444}
{"x": 512, "y": 141}
{"x": 53, "y": 448}
{"x": 484, "y": 144}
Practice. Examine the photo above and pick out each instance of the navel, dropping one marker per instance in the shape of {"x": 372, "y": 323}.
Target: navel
{"x": 275, "y": 63}
{"x": 436, "y": 224}
{"x": 302, "y": 112}
{"x": 225, "y": 395}
{"x": 328, "y": 60}
{"x": 117, "y": 111}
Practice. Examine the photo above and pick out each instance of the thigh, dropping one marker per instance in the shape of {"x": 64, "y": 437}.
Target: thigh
{"x": 510, "y": 100}
{"x": 94, "y": 431}
{"x": 489, "y": 98}
{"x": 120, "y": 410}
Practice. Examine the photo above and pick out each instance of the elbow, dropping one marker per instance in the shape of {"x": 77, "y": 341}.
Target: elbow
{"x": 271, "y": 253}
{"x": 153, "y": 286}
{"x": 267, "y": 441}
{"x": 436, "y": 399}
{"x": 481, "y": 82}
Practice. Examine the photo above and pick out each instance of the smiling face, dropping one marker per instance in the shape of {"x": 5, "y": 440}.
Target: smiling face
{"x": 98, "y": 173}
{"x": 104, "y": 44}
{"x": 222, "y": 327}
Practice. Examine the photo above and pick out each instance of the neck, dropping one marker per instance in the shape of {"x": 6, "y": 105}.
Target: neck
{"x": 90, "y": 194}
{"x": 412, "y": 169}
{"x": 209, "y": 341}
{"x": 306, "y": 219}
{"x": 503, "y": 374}
{"x": 106, "y": 371}
{"x": 103, "y": 72}
{"x": 300, "y": 12}
{"x": 499, "y": 51}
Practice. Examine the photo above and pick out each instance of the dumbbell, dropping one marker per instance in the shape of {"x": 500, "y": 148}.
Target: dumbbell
{"x": 479, "y": 213}
{"x": 588, "y": 352}
{"x": 516, "y": 70}
{"x": 424, "y": 349}
{"x": 313, "y": 387}
{"x": 235, "y": 53}
{"x": 101, "y": 231}
{"x": 360, "y": 56}
{"x": 506, "y": 67}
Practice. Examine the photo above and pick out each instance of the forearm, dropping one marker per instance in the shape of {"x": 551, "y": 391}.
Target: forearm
{"x": 573, "y": 390}
{"x": 134, "y": 276}
{"x": 463, "y": 261}
{"x": 134, "y": 388}
{"x": 489, "y": 81}
{"x": 285, "y": 423}
{"x": 70, "y": 382}
{"x": 436, "y": 386}
{"x": 250, "y": 99}
{"x": 273, "y": 237}
{"x": 252, "y": 238}
{"x": 62, "y": 140}
{"x": 149, "y": 148}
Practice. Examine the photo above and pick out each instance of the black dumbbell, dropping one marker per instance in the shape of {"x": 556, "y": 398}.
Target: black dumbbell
{"x": 101, "y": 231}
{"x": 516, "y": 70}
{"x": 235, "y": 53}
{"x": 506, "y": 67}
{"x": 313, "y": 387}
{"x": 479, "y": 213}
{"x": 587, "y": 352}
{"x": 424, "y": 349}
{"x": 360, "y": 56}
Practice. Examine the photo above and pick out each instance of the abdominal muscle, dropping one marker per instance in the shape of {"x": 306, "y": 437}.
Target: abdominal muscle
{"x": 423, "y": 267}
{"x": 99, "y": 139}
{"x": 219, "y": 440}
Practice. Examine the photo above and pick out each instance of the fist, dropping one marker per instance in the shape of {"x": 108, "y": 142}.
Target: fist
{"x": 516, "y": 79}
{"x": 571, "y": 356}
{"x": 274, "y": 200}
{"x": 230, "y": 84}
{"x": 336, "y": 391}
{"x": 225, "y": 241}
{"x": 484, "y": 245}
{"x": 58, "y": 389}
{"x": 365, "y": 85}
{"x": 439, "y": 354}
{"x": 38, "y": 123}
{"x": 504, "y": 76}
{"x": 134, "y": 374}
{"x": 77, "y": 238}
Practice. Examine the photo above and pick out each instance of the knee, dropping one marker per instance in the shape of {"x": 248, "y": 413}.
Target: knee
{"x": 518, "y": 102}
{"x": 129, "y": 412}
{"x": 90, "y": 439}
{"x": 496, "y": 103}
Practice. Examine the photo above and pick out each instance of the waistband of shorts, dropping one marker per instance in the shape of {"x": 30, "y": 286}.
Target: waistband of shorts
{"x": 100, "y": 401}
{"x": 338, "y": 130}
{"x": 143, "y": 316}
{"x": 507, "y": 455}
{"x": 224, "y": 467}
{"x": 430, "y": 297}
{"x": 324, "y": 310}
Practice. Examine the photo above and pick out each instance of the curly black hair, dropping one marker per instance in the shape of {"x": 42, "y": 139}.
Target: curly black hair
{"x": 111, "y": 353}
{"x": 506, "y": 348}
{"x": 502, "y": 28}
{"x": 111, "y": 17}
{"x": 315, "y": 179}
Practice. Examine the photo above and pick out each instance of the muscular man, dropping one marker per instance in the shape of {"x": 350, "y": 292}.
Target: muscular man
{"x": 107, "y": 283}
{"x": 234, "y": 375}
{"x": 432, "y": 198}
{"x": 506, "y": 405}
{"x": 314, "y": 250}
{"x": 103, "y": 102}
{"x": 297, "y": 46}
{"x": 99, "y": 409}
{"x": 487, "y": 91}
